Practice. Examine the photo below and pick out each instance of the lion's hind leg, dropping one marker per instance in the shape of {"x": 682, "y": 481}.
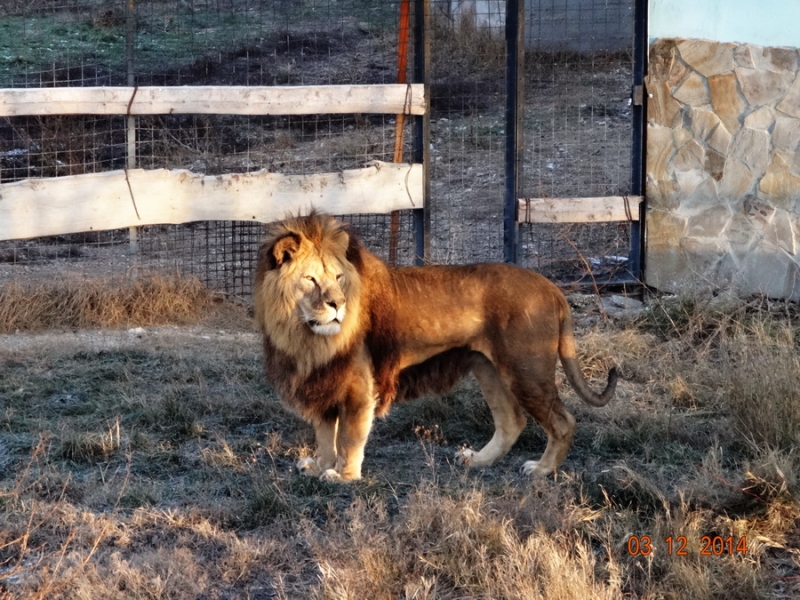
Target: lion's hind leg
{"x": 509, "y": 420}
{"x": 559, "y": 425}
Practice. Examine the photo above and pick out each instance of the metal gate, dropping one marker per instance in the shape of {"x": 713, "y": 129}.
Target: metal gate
{"x": 575, "y": 120}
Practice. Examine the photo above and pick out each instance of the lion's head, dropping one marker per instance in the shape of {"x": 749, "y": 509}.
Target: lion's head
{"x": 306, "y": 289}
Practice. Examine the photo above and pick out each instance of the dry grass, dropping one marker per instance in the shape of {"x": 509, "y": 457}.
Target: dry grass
{"x": 764, "y": 393}
{"x": 88, "y": 303}
{"x": 161, "y": 467}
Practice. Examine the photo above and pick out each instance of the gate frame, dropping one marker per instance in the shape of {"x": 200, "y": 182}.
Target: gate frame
{"x": 422, "y": 129}
{"x": 515, "y": 55}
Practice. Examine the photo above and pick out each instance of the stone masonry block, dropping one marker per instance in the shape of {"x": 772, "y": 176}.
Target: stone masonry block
{"x": 780, "y": 162}
{"x": 780, "y": 189}
{"x": 786, "y": 133}
{"x": 704, "y": 195}
{"x": 741, "y": 234}
{"x": 662, "y": 108}
{"x": 664, "y": 229}
{"x": 760, "y": 87}
{"x": 662, "y": 195}
{"x": 668, "y": 269}
{"x": 720, "y": 140}
{"x": 794, "y": 296}
{"x": 726, "y": 100}
{"x": 766, "y": 271}
{"x": 703, "y": 122}
{"x": 714, "y": 164}
{"x": 688, "y": 181}
{"x": 747, "y": 56}
{"x": 780, "y": 233}
{"x": 709, "y": 261}
{"x": 761, "y": 118}
{"x": 707, "y": 58}
{"x": 790, "y": 105}
{"x": 662, "y": 55}
{"x": 710, "y": 223}
{"x": 737, "y": 181}
{"x": 692, "y": 91}
{"x": 660, "y": 149}
{"x": 682, "y": 136}
{"x": 759, "y": 213}
{"x": 779, "y": 59}
{"x": 690, "y": 156}
{"x": 751, "y": 147}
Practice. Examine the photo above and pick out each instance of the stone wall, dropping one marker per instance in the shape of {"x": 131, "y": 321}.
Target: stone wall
{"x": 723, "y": 168}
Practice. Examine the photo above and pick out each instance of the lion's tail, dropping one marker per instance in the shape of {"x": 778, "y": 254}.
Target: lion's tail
{"x": 572, "y": 368}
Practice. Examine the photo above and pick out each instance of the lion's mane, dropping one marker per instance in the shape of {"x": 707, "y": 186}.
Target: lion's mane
{"x": 298, "y": 362}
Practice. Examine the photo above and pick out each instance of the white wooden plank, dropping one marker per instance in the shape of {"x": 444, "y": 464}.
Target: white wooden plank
{"x": 72, "y": 204}
{"x": 579, "y": 210}
{"x": 230, "y": 100}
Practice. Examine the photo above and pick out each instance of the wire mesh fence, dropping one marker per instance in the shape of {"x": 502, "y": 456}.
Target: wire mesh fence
{"x": 577, "y": 120}
{"x": 468, "y": 100}
{"x": 192, "y": 42}
{"x": 578, "y": 130}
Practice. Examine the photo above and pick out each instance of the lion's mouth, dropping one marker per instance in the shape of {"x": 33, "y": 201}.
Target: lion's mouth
{"x": 332, "y": 327}
{"x": 315, "y": 323}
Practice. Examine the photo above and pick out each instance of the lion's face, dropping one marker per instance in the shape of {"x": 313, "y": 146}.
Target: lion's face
{"x": 319, "y": 294}
{"x": 305, "y": 279}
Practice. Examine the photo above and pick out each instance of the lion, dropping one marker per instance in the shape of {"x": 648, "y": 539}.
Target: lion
{"x": 345, "y": 336}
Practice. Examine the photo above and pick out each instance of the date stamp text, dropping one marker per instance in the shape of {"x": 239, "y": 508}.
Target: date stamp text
{"x": 717, "y": 545}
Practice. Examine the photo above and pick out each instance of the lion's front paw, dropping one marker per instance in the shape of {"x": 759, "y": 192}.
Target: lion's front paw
{"x": 331, "y": 476}
{"x": 464, "y": 456}
{"x": 532, "y": 468}
{"x": 308, "y": 467}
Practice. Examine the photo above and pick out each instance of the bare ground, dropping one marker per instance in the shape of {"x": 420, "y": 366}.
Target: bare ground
{"x": 155, "y": 462}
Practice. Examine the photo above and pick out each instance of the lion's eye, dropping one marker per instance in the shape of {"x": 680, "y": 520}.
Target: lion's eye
{"x": 311, "y": 279}
{"x": 339, "y": 277}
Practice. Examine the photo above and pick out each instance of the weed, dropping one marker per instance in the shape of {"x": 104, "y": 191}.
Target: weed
{"x": 92, "y": 446}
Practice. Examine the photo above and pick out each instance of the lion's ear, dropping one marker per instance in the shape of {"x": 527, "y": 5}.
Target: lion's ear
{"x": 285, "y": 248}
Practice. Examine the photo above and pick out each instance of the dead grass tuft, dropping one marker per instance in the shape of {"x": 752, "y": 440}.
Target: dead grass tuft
{"x": 627, "y": 349}
{"x": 91, "y": 303}
{"x": 88, "y": 447}
{"x": 448, "y": 547}
{"x": 467, "y": 47}
{"x": 763, "y": 392}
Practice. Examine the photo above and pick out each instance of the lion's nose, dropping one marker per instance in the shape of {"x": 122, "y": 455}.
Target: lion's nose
{"x": 334, "y": 300}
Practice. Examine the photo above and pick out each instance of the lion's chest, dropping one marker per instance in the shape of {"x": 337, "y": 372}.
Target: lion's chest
{"x": 314, "y": 392}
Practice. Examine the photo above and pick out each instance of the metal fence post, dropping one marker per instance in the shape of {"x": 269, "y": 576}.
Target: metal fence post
{"x": 515, "y": 55}
{"x": 422, "y": 128}
{"x": 639, "y": 106}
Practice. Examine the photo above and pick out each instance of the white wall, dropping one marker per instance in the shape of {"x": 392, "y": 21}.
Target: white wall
{"x": 762, "y": 22}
